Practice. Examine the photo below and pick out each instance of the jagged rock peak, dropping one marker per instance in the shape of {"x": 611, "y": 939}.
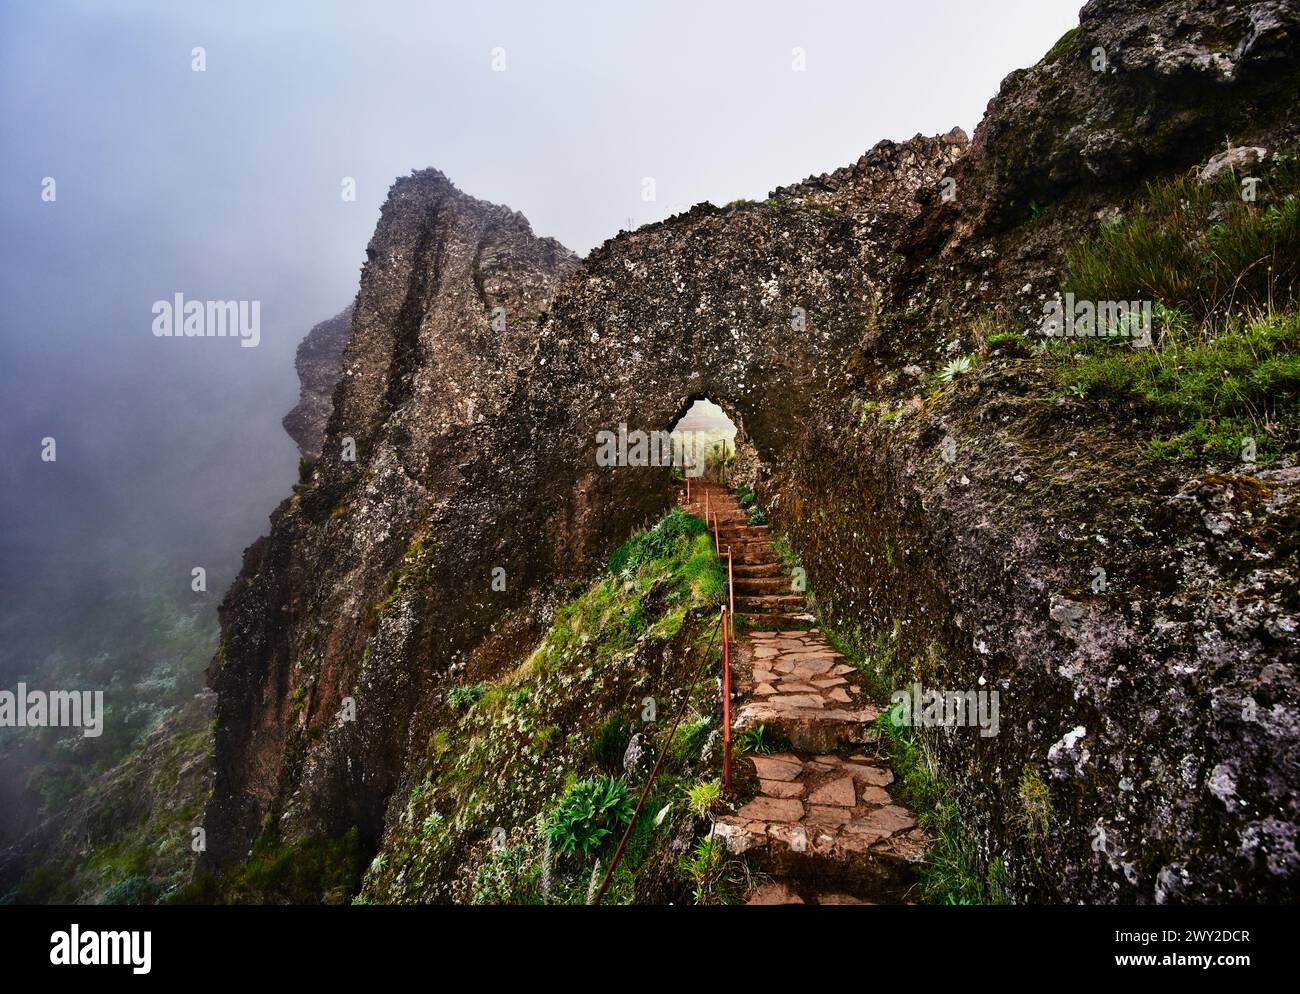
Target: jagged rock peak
{"x": 317, "y": 362}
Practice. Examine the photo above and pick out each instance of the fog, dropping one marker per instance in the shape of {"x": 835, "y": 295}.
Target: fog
{"x": 226, "y": 184}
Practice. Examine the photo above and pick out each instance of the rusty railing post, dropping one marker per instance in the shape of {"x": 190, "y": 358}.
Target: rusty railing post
{"x": 731, "y": 590}
{"x": 726, "y": 701}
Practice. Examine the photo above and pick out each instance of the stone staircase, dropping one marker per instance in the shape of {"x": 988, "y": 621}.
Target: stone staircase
{"x": 819, "y": 818}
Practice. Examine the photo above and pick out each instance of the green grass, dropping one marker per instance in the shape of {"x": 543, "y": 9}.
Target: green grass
{"x": 952, "y": 871}
{"x": 688, "y": 742}
{"x": 1224, "y": 278}
{"x": 610, "y": 743}
{"x": 1199, "y": 249}
{"x": 308, "y": 871}
{"x": 1063, "y": 44}
{"x": 655, "y": 543}
{"x": 548, "y": 736}
{"x": 1203, "y": 395}
{"x": 1036, "y": 811}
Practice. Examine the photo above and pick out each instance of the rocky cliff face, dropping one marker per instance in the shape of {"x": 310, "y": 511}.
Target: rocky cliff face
{"x": 1157, "y": 707}
{"x": 483, "y": 361}
{"x": 371, "y": 583}
{"x": 317, "y": 362}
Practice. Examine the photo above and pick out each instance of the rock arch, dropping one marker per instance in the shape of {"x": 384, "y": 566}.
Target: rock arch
{"x": 476, "y": 453}
{"x": 758, "y": 308}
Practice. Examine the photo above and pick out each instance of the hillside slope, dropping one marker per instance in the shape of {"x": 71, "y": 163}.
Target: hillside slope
{"x": 821, "y": 320}
{"x": 1103, "y": 534}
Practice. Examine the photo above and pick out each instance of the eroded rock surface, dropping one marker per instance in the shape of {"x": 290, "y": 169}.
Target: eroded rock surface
{"x": 483, "y": 361}
{"x": 317, "y": 363}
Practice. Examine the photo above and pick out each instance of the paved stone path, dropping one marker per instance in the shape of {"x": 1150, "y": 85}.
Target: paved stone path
{"x": 821, "y": 819}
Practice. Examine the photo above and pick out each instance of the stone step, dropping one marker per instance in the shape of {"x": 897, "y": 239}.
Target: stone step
{"x": 759, "y": 585}
{"x": 757, "y": 558}
{"x": 776, "y": 892}
{"x": 741, "y": 535}
{"x": 726, "y": 519}
{"x": 764, "y": 621}
{"x": 751, "y": 550}
{"x": 824, "y": 824}
{"x": 757, "y": 570}
{"x": 769, "y": 603}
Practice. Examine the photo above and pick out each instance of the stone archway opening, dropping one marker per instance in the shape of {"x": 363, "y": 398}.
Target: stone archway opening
{"x": 706, "y": 437}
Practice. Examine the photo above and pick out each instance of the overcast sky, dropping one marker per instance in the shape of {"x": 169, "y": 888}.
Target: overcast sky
{"x": 226, "y": 184}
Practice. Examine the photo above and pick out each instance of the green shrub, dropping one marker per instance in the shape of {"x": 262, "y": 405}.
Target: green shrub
{"x": 955, "y": 368}
{"x": 589, "y": 813}
{"x": 716, "y": 879}
{"x": 752, "y": 740}
{"x": 461, "y": 698}
{"x": 702, "y": 797}
{"x": 704, "y": 866}
{"x": 755, "y": 516}
{"x": 1002, "y": 338}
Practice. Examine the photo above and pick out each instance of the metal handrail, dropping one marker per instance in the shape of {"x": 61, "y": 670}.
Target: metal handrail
{"x": 731, "y": 590}
{"x": 726, "y": 699}
{"x": 681, "y": 712}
